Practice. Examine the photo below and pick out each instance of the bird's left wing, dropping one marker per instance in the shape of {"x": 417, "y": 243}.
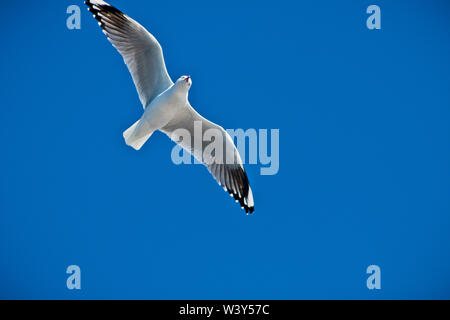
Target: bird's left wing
{"x": 225, "y": 167}
{"x": 140, "y": 50}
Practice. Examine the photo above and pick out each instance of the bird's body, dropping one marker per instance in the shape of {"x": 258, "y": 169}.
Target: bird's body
{"x": 160, "y": 111}
{"x": 166, "y": 104}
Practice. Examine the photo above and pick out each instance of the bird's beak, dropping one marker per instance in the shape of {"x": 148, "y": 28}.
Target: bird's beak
{"x": 187, "y": 78}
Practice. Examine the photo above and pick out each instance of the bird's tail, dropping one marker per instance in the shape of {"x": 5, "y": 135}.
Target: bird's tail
{"x": 134, "y": 137}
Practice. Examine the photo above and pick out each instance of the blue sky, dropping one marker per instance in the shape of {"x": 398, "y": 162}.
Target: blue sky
{"x": 364, "y": 154}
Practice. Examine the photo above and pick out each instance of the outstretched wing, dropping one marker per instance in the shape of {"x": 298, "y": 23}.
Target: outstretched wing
{"x": 226, "y": 167}
{"x": 140, "y": 50}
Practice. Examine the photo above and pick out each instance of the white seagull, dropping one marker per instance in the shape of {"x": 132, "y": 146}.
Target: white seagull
{"x": 166, "y": 105}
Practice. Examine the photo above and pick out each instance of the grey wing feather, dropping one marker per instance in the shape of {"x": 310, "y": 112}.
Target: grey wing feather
{"x": 140, "y": 50}
{"x": 229, "y": 174}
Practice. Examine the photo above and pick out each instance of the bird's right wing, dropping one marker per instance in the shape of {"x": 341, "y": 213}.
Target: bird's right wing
{"x": 226, "y": 168}
{"x": 140, "y": 50}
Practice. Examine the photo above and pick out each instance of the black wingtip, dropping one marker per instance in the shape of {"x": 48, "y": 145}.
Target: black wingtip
{"x": 241, "y": 196}
{"x": 248, "y": 210}
{"x": 106, "y": 7}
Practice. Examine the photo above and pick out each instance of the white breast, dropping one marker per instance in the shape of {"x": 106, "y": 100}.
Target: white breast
{"x": 164, "y": 107}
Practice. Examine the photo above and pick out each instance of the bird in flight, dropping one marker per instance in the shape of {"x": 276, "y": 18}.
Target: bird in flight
{"x": 166, "y": 104}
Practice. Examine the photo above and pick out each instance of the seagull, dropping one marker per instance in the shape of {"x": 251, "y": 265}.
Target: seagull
{"x": 166, "y": 104}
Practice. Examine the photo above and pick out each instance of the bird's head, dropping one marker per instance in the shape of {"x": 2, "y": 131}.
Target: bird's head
{"x": 184, "y": 82}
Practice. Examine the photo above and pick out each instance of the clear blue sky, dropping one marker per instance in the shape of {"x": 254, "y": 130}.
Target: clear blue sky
{"x": 364, "y": 153}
